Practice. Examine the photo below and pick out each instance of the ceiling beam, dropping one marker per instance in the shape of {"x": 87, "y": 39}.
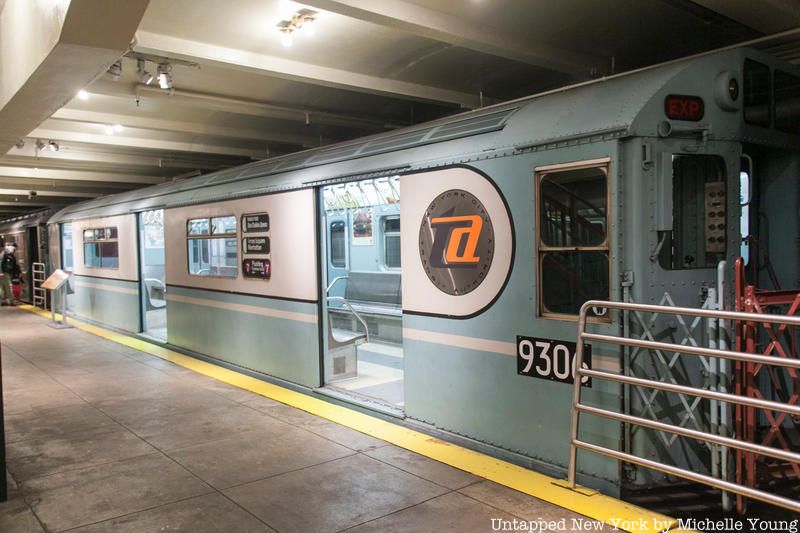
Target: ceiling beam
{"x": 155, "y": 43}
{"x": 43, "y": 193}
{"x": 145, "y": 122}
{"x": 83, "y": 156}
{"x": 15, "y": 199}
{"x": 432, "y": 24}
{"x": 771, "y": 16}
{"x": 49, "y": 173}
{"x": 66, "y": 186}
{"x": 130, "y": 139}
{"x": 242, "y": 106}
{"x": 50, "y": 50}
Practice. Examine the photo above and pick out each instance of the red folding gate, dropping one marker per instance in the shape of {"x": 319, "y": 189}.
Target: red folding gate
{"x": 756, "y": 425}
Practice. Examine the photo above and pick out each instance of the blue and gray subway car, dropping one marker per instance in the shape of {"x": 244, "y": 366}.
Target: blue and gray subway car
{"x": 412, "y": 272}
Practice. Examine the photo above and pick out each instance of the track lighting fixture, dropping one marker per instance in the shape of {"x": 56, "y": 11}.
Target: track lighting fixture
{"x": 144, "y": 76}
{"x": 20, "y": 144}
{"x": 165, "y": 76}
{"x": 115, "y": 70}
{"x": 53, "y": 146}
{"x": 83, "y": 95}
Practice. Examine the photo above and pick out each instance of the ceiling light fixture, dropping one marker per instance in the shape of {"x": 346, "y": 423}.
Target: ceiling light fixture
{"x": 109, "y": 130}
{"x": 53, "y": 146}
{"x": 117, "y": 127}
{"x": 165, "y": 76}
{"x": 144, "y": 76}
{"x": 301, "y": 19}
{"x": 83, "y": 95}
{"x": 115, "y": 71}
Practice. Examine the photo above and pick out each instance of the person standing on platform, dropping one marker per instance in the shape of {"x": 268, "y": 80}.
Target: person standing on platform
{"x": 9, "y": 270}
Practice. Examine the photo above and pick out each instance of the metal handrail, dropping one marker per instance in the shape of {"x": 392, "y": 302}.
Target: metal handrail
{"x": 578, "y": 408}
{"x": 350, "y": 308}
{"x": 328, "y": 289}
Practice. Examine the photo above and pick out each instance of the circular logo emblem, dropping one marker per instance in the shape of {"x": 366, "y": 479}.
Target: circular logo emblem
{"x": 456, "y": 242}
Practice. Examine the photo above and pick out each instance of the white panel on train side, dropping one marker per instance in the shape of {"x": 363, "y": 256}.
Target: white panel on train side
{"x": 420, "y": 294}
{"x": 126, "y": 239}
{"x": 292, "y": 245}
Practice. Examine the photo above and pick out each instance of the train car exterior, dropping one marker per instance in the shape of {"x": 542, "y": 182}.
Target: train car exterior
{"x": 435, "y": 273}
{"x": 30, "y": 234}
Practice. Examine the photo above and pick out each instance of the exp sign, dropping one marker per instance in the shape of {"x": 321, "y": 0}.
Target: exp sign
{"x": 682, "y": 107}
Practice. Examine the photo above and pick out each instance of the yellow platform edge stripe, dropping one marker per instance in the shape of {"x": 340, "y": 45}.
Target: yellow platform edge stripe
{"x": 587, "y": 502}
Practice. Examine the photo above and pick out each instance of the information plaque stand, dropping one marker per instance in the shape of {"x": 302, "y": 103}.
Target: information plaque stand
{"x": 58, "y": 281}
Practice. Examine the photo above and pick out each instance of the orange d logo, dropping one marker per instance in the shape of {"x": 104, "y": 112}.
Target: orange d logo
{"x": 456, "y": 242}
{"x": 462, "y": 239}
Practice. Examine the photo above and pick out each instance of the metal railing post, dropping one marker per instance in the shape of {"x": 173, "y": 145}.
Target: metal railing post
{"x": 576, "y": 398}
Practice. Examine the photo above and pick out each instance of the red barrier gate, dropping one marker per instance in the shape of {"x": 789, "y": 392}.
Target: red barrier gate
{"x": 756, "y": 425}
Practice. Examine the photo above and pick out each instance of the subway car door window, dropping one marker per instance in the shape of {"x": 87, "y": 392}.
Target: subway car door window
{"x": 573, "y": 238}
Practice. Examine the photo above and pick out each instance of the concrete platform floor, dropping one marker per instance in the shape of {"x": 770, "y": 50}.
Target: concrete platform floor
{"x": 101, "y": 438}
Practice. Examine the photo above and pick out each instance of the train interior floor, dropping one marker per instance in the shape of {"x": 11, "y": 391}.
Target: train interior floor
{"x": 101, "y": 437}
{"x": 379, "y": 373}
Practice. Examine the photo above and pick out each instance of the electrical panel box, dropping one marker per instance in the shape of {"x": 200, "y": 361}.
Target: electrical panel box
{"x": 715, "y": 217}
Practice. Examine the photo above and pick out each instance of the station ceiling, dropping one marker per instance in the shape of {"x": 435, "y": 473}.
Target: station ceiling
{"x": 244, "y": 90}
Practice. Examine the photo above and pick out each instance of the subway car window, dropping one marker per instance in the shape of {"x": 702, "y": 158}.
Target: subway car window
{"x": 756, "y": 93}
{"x": 100, "y": 248}
{"x": 573, "y": 244}
{"x": 338, "y": 243}
{"x": 66, "y": 246}
{"x": 198, "y": 226}
{"x": 223, "y": 225}
{"x": 212, "y": 256}
{"x": 698, "y": 238}
{"x": 573, "y": 208}
{"x": 787, "y": 102}
{"x": 391, "y": 242}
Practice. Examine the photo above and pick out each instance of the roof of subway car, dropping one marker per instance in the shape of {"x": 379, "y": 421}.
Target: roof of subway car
{"x": 611, "y": 103}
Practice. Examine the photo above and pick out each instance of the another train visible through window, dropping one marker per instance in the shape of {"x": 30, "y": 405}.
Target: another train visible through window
{"x": 338, "y": 238}
{"x": 66, "y": 246}
{"x": 573, "y": 237}
{"x": 100, "y": 248}
{"x": 213, "y": 247}
{"x": 390, "y": 227}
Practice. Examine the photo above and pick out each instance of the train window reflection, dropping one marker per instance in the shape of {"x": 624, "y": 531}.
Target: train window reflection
{"x": 338, "y": 244}
{"x": 391, "y": 242}
{"x": 699, "y": 214}
{"x": 756, "y": 93}
{"x": 569, "y": 279}
{"x": 212, "y": 256}
{"x": 573, "y": 206}
{"x": 573, "y": 237}
{"x": 66, "y": 246}
{"x": 787, "y": 102}
{"x": 223, "y": 225}
{"x": 100, "y": 248}
{"x": 198, "y": 226}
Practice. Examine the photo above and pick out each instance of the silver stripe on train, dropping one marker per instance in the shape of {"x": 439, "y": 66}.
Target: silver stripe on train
{"x": 599, "y": 362}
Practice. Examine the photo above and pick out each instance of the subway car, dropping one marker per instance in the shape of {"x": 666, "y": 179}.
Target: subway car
{"x": 29, "y": 233}
{"x": 415, "y": 273}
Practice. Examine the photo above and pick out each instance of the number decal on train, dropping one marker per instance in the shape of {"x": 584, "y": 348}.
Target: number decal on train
{"x": 551, "y": 359}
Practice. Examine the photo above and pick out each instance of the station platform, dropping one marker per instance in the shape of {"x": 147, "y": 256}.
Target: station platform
{"x": 110, "y": 433}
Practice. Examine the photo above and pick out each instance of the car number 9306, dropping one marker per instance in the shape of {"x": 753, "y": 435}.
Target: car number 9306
{"x": 551, "y": 359}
